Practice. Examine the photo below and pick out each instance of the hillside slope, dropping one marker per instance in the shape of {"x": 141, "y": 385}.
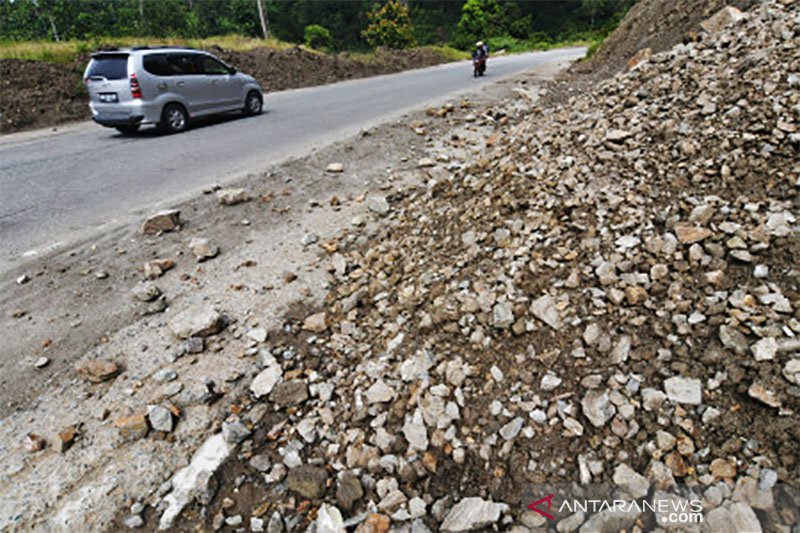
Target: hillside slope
{"x": 654, "y": 24}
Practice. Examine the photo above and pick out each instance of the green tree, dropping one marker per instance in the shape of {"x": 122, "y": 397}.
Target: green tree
{"x": 390, "y": 26}
{"x": 318, "y": 37}
{"x": 480, "y": 20}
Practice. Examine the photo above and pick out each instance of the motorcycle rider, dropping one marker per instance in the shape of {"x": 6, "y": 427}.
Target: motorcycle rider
{"x": 479, "y": 56}
{"x": 481, "y": 50}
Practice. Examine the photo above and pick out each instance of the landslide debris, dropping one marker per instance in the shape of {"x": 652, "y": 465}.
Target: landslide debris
{"x": 611, "y": 295}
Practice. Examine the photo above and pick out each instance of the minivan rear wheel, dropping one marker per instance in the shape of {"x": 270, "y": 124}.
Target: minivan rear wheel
{"x": 128, "y": 130}
{"x": 253, "y": 104}
{"x": 174, "y": 119}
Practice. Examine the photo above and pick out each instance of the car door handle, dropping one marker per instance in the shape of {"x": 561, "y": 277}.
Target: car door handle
{"x": 180, "y": 83}
{"x": 213, "y": 82}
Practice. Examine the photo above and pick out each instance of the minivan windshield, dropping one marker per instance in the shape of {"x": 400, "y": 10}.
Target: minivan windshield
{"x": 109, "y": 66}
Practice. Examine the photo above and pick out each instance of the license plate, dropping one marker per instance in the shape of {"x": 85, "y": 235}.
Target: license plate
{"x": 108, "y": 97}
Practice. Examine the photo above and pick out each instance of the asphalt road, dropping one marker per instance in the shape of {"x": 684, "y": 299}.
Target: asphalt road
{"x": 57, "y": 187}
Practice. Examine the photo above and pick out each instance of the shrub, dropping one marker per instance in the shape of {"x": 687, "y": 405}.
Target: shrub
{"x": 318, "y": 37}
{"x": 389, "y": 26}
{"x": 593, "y": 48}
{"x": 503, "y": 42}
{"x": 480, "y": 19}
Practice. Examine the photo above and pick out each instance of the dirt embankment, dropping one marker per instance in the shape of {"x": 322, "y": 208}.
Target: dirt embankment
{"x": 36, "y": 94}
{"x": 657, "y": 25}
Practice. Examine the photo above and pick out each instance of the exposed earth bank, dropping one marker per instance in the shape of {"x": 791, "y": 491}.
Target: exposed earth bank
{"x": 37, "y": 94}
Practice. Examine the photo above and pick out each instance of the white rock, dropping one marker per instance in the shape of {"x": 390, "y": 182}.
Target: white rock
{"x": 415, "y": 431}
{"x": 591, "y": 334}
{"x": 765, "y": 349}
{"x": 652, "y": 399}
{"x": 606, "y": 273}
{"x": 309, "y": 239}
{"x": 471, "y": 514}
{"x": 512, "y": 429}
{"x": 597, "y": 407}
{"x": 231, "y": 196}
{"x": 256, "y": 524}
{"x": 160, "y": 418}
{"x": 627, "y": 241}
{"x": 791, "y": 371}
{"x": 379, "y": 392}
{"x": 722, "y": 18}
{"x": 378, "y": 204}
{"x": 203, "y": 249}
{"x": 733, "y": 517}
{"x": 621, "y": 350}
{"x": 684, "y": 390}
{"x": 635, "y": 484}
{"x": 417, "y": 507}
{"x": 618, "y": 519}
{"x": 549, "y": 382}
{"x": 616, "y": 135}
{"x": 496, "y": 373}
{"x": 502, "y": 316}
{"x": 570, "y": 523}
{"x": 544, "y": 308}
{"x": 198, "y": 321}
{"x": 329, "y": 520}
{"x": 207, "y": 459}
{"x": 257, "y": 334}
{"x": 574, "y": 427}
{"x": 266, "y": 380}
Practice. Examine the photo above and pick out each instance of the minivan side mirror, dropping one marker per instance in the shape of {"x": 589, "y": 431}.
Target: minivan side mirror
{"x": 231, "y": 70}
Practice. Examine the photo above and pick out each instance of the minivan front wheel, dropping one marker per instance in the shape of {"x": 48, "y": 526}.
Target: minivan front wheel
{"x": 253, "y": 103}
{"x": 174, "y": 119}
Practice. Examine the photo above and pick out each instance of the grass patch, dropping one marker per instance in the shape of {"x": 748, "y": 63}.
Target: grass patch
{"x": 447, "y": 53}
{"x": 68, "y": 51}
{"x": 594, "y": 47}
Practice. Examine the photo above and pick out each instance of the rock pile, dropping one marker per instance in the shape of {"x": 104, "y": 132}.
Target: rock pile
{"x": 611, "y": 295}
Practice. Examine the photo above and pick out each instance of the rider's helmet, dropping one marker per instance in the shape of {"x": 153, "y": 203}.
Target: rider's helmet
{"x": 479, "y": 44}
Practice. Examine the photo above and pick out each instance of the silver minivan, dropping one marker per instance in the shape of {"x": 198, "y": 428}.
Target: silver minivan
{"x": 166, "y": 87}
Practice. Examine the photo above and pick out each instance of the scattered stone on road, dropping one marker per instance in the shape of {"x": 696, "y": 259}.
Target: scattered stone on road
{"x": 161, "y": 222}
{"x": 197, "y": 321}
{"x": 97, "y": 370}
{"x": 203, "y": 249}
{"x": 231, "y": 196}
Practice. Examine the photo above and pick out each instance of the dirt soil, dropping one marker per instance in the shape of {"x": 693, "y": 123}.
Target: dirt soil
{"x": 37, "y": 94}
{"x": 655, "y": 24}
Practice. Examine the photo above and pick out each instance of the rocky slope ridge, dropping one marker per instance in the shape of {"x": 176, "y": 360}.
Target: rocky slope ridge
{"x": 609, "y": 295}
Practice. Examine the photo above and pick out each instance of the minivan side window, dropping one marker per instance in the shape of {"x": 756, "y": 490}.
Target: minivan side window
{"x": 109, "y": 66}
{"x": 156, "y": 64}
{"x": 182, "y": 64}
{"x": 211, "y": 66}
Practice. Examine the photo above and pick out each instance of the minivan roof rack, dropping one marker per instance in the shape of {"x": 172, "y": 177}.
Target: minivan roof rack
{"x": 162, "y": 47}
{"x": 136, "y": 48}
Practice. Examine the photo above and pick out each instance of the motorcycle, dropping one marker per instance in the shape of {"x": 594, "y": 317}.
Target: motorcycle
{"x": 478, "y": 66}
